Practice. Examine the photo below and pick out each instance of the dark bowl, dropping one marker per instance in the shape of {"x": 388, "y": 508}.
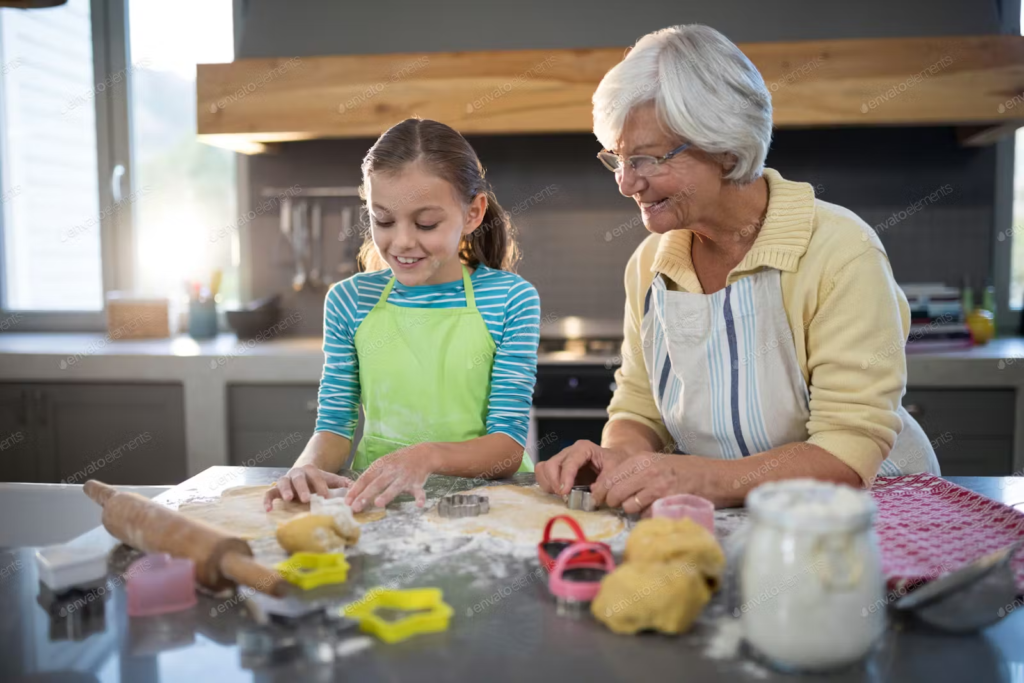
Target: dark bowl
{"x": 254, "y": 318}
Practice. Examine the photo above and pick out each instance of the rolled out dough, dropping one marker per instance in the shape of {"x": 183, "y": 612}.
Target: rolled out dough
{"x": 519, "y": 514}
{"x": 239, "y": 512}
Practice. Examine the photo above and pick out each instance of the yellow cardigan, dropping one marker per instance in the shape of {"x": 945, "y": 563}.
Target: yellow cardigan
{"x": 849, "y": 320}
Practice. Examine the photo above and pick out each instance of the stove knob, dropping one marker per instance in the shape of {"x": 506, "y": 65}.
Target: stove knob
{"x": 574, "y": 382}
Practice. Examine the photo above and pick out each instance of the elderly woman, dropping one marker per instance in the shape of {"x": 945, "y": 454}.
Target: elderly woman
{"x": 764, "y": 331}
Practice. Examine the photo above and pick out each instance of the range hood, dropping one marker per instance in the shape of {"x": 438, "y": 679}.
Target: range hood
{"x": 974, "y": 83}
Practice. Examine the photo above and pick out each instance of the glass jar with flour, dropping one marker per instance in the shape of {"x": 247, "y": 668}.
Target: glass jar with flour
{"x": 812, "y": 591}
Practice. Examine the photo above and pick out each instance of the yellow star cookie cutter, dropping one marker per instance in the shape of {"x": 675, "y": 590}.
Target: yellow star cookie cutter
{"x": 310, "y": 570}
{"x": 429, "y": 613}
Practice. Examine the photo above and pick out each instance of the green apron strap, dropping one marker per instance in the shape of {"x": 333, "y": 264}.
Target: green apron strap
{"x": 470, "y": 298}
{"x": 386, "y": 293}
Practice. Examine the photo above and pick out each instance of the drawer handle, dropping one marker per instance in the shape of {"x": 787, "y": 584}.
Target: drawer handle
{"x": 915, "y": 411}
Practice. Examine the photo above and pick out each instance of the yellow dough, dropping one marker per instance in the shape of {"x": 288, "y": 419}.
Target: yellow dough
{"x": 640, "y": 596}
{"x": 519, "y": 513}
{"x": 239, "y": 511}
{"x": 669, "y": 571}
{"x": 677, "y": 541}
{"x": 311, "y": 533}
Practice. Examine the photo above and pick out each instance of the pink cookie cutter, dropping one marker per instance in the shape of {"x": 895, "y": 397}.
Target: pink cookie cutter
{"x": 580, "y": 582}
{"x": 683, "y": 505}
{"x": 160, "y": 584}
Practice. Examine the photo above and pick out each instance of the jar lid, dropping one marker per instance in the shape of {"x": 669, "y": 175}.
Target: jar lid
{"x": 811, "y": 505}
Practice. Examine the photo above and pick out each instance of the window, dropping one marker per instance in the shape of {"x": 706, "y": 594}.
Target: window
{"x": 185, "y": 190}
{"x": 1017, "y": 230}
{"x": 50, "y": 191}
{"x": 103, "y": 184}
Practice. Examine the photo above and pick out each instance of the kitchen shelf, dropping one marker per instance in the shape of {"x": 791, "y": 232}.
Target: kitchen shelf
{"x": 975, "y": 83}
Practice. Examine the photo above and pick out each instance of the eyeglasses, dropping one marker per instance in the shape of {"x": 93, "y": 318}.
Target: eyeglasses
{"x": 643, "y": 165}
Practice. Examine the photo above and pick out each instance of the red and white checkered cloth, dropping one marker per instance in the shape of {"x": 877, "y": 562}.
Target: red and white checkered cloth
{"x": 928, "y": 527}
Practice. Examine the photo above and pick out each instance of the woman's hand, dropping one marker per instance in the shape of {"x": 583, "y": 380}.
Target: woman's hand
{"x": 404, "y": 470}
{"x": 300, "y": 481}
{"x": 558, "y": 474}
{"x": 643, "y": 478}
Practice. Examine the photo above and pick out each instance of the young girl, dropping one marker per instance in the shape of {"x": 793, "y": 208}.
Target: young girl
{"x": 438, "y": 341}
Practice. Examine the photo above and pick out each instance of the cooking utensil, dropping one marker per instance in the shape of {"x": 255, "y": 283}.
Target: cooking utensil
{"x": 310, "y": 570}
{"x": 300, "y": 237}
{"x": 549, "y": 548}
{"x": 461, "y": 505}
{"x": 576, "y": 586}
{"x": 221, "y": 561}
{"x": 350, "y": 247}
{"x": 427, "y": 612}
{"x": 159, "y": 584}
{"x": 579, "y": 499}
{"x": 316, "y": 246}
{"x": 683, "y": 505}
{"x": 968, "y": 599}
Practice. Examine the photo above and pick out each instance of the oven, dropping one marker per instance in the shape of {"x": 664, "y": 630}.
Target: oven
{"x": 570, "y": 402}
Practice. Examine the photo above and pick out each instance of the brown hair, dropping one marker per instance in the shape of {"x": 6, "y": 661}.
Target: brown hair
{"x": 444, "y": 152}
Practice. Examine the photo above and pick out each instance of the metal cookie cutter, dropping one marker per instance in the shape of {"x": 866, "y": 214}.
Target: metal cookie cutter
{"x": 580, "y": 499}
{"x": 575, "y": 584}
{"x": 461, "y": 505}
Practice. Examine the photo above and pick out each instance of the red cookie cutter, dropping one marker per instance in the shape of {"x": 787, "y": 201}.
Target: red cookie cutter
{"x": 573, "y": 581}
{"x": 549, "y": 549}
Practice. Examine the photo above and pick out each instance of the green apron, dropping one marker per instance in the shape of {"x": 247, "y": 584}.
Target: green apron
{"x": 424, "y": 376}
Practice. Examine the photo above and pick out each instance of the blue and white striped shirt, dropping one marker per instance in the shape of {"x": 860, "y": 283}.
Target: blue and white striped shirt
{"x": 509, "y": 306}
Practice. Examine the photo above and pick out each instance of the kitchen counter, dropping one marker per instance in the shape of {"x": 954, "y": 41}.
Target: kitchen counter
{"x": 206, "y": 368}
{"x": 505, "y": 626}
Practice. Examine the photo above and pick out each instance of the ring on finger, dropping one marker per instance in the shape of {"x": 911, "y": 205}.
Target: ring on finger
{"x": 639, "y": 505}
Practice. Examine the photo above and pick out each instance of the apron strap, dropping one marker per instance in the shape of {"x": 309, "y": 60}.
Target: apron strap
{"x": 470, "y": 298}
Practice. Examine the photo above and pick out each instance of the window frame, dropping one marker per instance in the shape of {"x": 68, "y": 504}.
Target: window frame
{"x": 113, "y": 136}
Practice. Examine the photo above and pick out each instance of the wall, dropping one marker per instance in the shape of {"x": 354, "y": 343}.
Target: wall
{"x": 576, "y": 231}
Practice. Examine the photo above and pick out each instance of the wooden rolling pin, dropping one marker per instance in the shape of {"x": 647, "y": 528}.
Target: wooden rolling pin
{"x": 221, "y": 560}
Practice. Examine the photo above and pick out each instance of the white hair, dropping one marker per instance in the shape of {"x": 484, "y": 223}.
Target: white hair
{"x": 704, "y": 89}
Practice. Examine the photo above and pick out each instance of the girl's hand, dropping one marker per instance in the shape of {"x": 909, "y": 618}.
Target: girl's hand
{"x": 300, "y": 481}
{"x": 404, "y": 470}
{"x": 558, "y": 474}
{"x": 643, "y": 478}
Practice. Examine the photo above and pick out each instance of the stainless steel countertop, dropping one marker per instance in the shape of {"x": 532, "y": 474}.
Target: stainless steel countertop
{"x": 514, "y": 633}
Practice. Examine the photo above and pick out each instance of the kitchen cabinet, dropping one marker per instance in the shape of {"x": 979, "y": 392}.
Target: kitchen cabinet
{"x": 131, "y": 434}
{"x": 269, "y": 424}
{"x": 971, "y": 429}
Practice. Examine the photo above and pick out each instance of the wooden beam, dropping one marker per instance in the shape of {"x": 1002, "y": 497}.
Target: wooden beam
{"x": 906, "y": 81}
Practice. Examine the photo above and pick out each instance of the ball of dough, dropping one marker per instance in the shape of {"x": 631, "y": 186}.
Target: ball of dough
{"x": 312, "y": 534}
{"x": 639, "y": 596}
{"x": 677, "y": 541}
